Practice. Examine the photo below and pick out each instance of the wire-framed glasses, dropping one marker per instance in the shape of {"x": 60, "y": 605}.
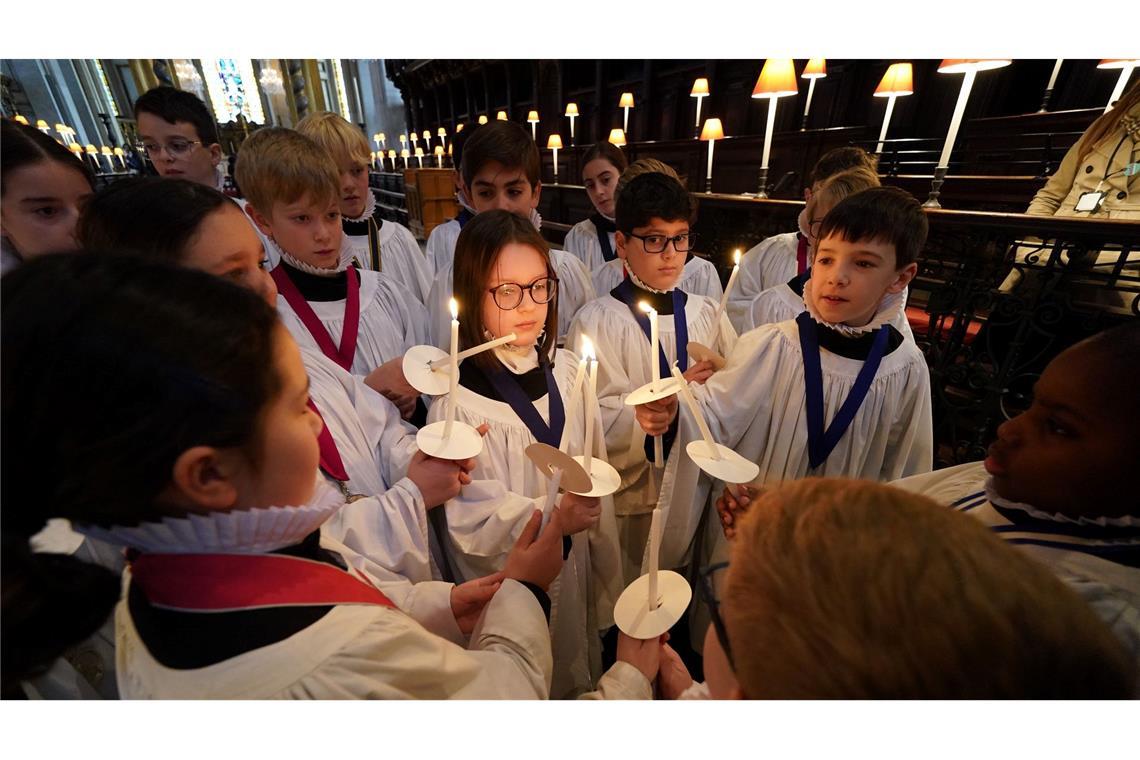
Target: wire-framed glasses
{"x": 510, "y": 294}
{"x": 174, "y": 148}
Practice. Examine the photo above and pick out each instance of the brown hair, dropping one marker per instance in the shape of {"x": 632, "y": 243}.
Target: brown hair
{"x": 841, "y": 159}
{"x": 476, "y": 252}
{"x": 278, "y": 165}
{"x": 1108, "y": 121}
{"x": 889, "y": 214}
{"x": 644, "y": 166}
{"x": 846, "y": 589}
{"x": 846, "y": 183}
{"x": 606, "y": 151}
{"x": 502, "y": 141}
{"x": 340, "y": 139}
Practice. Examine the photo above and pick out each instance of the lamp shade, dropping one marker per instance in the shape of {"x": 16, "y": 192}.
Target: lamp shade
{"x": 617, "y": 137}
{"x": 777, "y": 79}
{"x": 392, "y": 154}
{"x": 427, "y": 134}
{"x": 501, "y": 116}
{"x": 532, "y": 117}
{"x": 962, "y": 65}
{"x": 91, "y": 149}
{"x": 21, "y": 119}
{"x": 816, "y": 69}
{"x": 419, "y": 152}
{"x": 483, "y": 119}
{"x": 571, "y": 109}
{"x": 712, "y": 130}
{"x": 1118, "y": 63}
{"x": 626, "y": 100}
{"x": 700, "y": 87}
{"x": 554, "y": 142}
{"x": 404, "y": 153}
{"x": 41, "y": 124}
{"x": 442, "y": 132}
{"x": 899, "y": 80}
{"x": 439, "y": 150}
{"x": 459, "y": 128}
{"x": 403, "y": 138}
{"x": 381, "y": 137}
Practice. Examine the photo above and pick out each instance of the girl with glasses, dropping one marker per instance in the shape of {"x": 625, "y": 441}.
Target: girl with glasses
{"x": 505, "y": 283}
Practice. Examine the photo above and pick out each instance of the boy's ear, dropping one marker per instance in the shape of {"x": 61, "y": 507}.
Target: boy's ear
{"x": 258, "y": 219}
{"x": 621, "y": 241}
{"x": 537, "y": 194}
{"x": 202, "y": 479}
{"x": 215, "y": 153}
{"x": 903, "y": 277}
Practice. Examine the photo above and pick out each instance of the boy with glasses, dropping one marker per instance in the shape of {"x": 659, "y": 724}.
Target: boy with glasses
{"x": 653, "y": 217}
{"x": 845, "y": 589}
{"x": 179, "y": 135}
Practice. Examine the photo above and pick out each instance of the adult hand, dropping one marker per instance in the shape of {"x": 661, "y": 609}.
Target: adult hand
{"x": 579, "y": 512}
{"x": 731, "y": 506}
{"x": 388, "y": 380}
{"x": 468, "y": 600}
{"x": 536, "y": 558}
{"x": 643, "y": 655}
{"x": 405, "y": 404}
{"x": 672, "y": 677}
{"x": 656, "y": 416}
{"x": 437, "y": 479}
{"x": 699, "y": 372}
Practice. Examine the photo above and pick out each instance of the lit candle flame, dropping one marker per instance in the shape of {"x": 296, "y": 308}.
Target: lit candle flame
{"x": 454, "y": 306}
{"x": 645, "y": 307}
{"x": 736, "y": 257}
{"x": 588, "y": 349}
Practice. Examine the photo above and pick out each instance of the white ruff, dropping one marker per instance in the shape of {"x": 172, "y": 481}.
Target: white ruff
{"x": 517, "y": 359}
{"x": 535, "y": 219}
{"x": 264, "y": 529}
{"x": 1100, "y": 522}
{"x": 637, "y": 281}
{"x": 889, "y": 308}
{"x": 345, "y": 260}
{"x": 369, "y": 209}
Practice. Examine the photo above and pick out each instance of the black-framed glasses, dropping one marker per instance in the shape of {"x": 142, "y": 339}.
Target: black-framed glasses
{"x": 656, "y": 243}
{"x": 813, "y": 228}
{"x": 174, "y": 148}
{"x": 711, "y": 582}
{"x": 510, "y": 294}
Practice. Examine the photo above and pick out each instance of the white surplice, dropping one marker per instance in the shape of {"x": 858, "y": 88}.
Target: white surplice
{"x": 582, "y": 241}
{"x": 441, "y": 246}
{"x": 756, "y": 406}
{"x": 400, "y": 258}
{"x": 390, "y": 322}
{"x": 769, "y": 263}
{"x": 780, "y": 303}
{"x": 480, "y": 536}
{"x": 698, "y": 278}
{"x": 574, "y": 291}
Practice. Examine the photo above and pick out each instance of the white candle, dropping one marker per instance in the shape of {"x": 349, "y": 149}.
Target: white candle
{"x": 695, "y": 410}
{"x": 654, "y": 554}
{"x": 455, "y": 370}
{"x": 466, "y": 353}
{"x": 728, "y": 288}
{"x": 956, "y": 119}
{"x": 591, "y": 408}
{"x": 551, "y": 495}
{"x": 654, "y": 365}
{"x": 575, "y": 392}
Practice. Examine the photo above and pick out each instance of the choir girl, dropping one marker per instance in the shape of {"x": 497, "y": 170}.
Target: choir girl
{"x": 360, "y": 319}
{"x": 500, "y": 170}
{"x": 377, "y": 244}
{"x": 520, "y": 391}
{"x": 592, "y": 239}
{"x": 1058, "y": 481}
{"x": 42, "y": 191}
{"x": 779, "y": 258}
{"x": 654, "y": 212}
{"x": 837, "y": 391}
{"x": 699, "y": 276}
{"x": 210, "y": 479}
{"x": 820, "y": 601}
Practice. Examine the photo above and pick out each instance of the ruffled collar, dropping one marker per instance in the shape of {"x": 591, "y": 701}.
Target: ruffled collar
{"x": 1057, "y": 517}
{"x": 888, "y": 310}
{"x": 637, "y": 281}
{"x": 264, "y": 529}
{"x": 346, "y": 254}
{"x": 535, "y": 218}
{"x": 369, "y": 210}
{"x": 516, "y": 361}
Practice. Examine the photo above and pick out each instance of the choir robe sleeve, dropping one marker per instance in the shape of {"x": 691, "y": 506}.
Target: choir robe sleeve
{"x": 402, "y": 258}
{"x": 392, "y": 323}
{"x": 700, "y": 278}
{"x": 575, "y": 288}
{"x": 621, "y": 681}
{"x": 363, "y": 652}
{"x": 607, "y": 276}
{"x": 441, "y": 246}
{"x": 760, "y": 269}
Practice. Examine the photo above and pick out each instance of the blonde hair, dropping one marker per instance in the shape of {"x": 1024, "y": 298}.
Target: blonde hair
{"x": 644, "y": 166}
{"x": 278, "y": 165}
{"x": 1108, "y": 122}
{"x": 340, "y": 139}
{"x": 852, "y": 590}
{"x": 846, "y": 183}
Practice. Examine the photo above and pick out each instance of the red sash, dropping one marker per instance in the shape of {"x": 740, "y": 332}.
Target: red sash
{"x": 331, "y": 463}
{"x": 229, "y": 582}
{"x": 347, "y": 350}
{"x": 801, "y": 254}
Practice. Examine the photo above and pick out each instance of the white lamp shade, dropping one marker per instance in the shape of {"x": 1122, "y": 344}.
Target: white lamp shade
{"x": 554, "y": 142}
{"x": 962, "y": 65}
{"x": 571, "y": 109}
{"x": 617, "y": 137}
{"x": 483, "y": 119}
{"x": 626, "y": 100}
{"x": 700, "y": 87}
{"x": 712, "y": 130}
{"x": 1118, "y": 63}
{"x": 899, "y": 80}
{"x": 501, "y": 116}
{"x": 532, "y": 117}
{"x": 816, "y": 69}
{"x": 777, "y": 79}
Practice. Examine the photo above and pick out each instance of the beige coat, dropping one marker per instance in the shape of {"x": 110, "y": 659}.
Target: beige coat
{"x": 1073, "y": 177}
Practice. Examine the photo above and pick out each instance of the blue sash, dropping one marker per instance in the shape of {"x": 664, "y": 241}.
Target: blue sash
{"x": 822, "y": 442}
{"x": 464, "y": 217}
{"x": 604, "y": 227}
{"x": 508, "y": 387}
{"x": 624, "y": 293}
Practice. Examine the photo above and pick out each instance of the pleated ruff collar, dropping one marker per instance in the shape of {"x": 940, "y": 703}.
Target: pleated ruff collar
{"x": 888, "y": 310}
{"x": 369, "y": 210}
{"x": 346, "y": 254}
{"x": 1057, "y": 517}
